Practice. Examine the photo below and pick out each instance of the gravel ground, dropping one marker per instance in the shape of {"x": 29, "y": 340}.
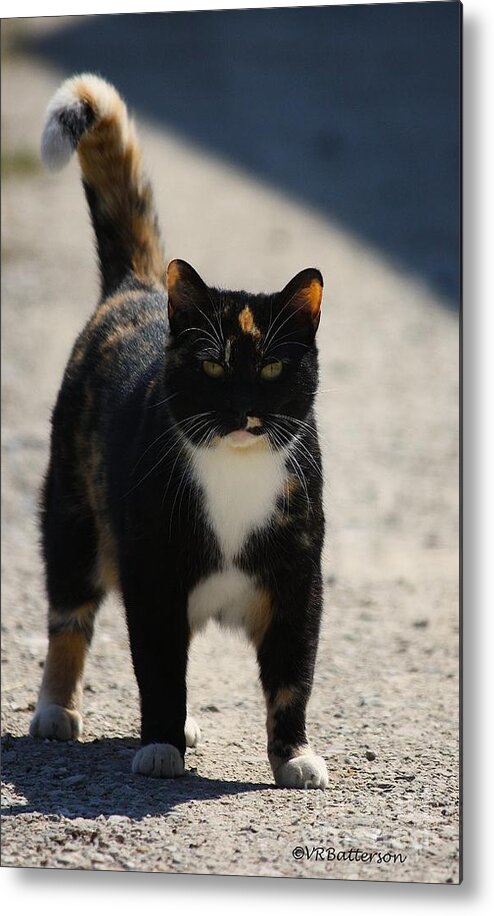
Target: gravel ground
{"x": 384, "y": 710}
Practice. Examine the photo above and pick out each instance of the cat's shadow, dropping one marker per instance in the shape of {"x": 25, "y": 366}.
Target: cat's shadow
{"x": 92, "y": 779}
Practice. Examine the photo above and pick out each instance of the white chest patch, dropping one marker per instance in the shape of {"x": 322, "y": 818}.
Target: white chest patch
{"x": 240, "y": 487}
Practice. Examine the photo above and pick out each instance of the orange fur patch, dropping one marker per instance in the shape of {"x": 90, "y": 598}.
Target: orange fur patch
{"x": 111, "y": 164}
{"x": 172, "y": 275}
{"x": 284, "y": 697}
{"x": 313, "y": 297}
{"x": 260, "y": 618}
{"x": 108, "y": 574}
{"x": 291, "y": 486}
{"x": 247, "y": 323}
{"x": 64, "y": 666}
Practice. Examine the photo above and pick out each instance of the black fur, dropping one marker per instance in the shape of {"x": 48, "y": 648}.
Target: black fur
{"x": 121, "y": 509}
{"x": 76, "y": 120}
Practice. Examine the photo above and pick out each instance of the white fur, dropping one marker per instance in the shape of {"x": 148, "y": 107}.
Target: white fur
{"x": 304, "y": 772}
{"x": 192, "y": 732}
{"x": 240, "y": 486}
{"x": 56, "y": 722}
{"x": 226, "y": 596}
{"x": 162, "y": 761}
{"x": 56, "y": 146}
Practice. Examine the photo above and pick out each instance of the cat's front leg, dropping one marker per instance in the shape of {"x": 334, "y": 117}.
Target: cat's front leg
{"x": 286, "y": 657}
{"x": 159, "y": 637}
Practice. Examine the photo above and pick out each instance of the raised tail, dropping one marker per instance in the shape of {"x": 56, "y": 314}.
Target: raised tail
{"x": 87, "y": 114}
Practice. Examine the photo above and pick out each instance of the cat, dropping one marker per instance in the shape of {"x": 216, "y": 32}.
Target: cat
{"x": 185, "y": 470}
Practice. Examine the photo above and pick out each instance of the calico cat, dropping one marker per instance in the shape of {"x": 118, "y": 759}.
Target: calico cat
{"x": 185, "y": 469}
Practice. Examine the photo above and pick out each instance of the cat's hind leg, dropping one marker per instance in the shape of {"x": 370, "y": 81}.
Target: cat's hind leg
{"x": 70, "y": 547}
{"x": 58, "y": 712}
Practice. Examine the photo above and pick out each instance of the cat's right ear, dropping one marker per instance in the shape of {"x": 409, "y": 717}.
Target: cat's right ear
{"x": 186, "y": 290}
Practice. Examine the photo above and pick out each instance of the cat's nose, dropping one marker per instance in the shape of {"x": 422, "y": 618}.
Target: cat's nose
{"x": 241, "y": 418}
{"x": 253, "y": 422}
{"x": 247, "y": 419}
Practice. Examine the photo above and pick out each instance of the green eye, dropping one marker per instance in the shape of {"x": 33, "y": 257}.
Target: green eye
{"x": 214, "y": 370}
{"x": 271, "y": 370}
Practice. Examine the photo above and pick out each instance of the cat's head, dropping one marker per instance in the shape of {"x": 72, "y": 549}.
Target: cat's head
{"x": 242, "y": 368}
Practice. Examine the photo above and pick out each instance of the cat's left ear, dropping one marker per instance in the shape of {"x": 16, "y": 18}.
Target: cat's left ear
{"x": 303, "y": 295}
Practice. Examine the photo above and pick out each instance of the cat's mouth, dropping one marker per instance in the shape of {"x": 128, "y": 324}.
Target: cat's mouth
{"x": 248, "y": 435}
{"x": 242, "y": 438}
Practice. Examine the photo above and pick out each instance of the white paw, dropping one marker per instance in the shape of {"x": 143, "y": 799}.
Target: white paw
{"x": 163, "y": 761}
{"x": 192, "y": 732}
{"x": 52, "y": 721}
{"x": 304, "y": 772}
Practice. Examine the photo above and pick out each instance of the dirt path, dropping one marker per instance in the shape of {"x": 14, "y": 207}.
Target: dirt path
{"x": 384, "y": 707}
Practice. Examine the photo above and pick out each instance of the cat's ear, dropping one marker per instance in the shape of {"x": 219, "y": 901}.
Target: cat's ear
{"x": 303, "y": 295}
{"x": 185, "y": 289}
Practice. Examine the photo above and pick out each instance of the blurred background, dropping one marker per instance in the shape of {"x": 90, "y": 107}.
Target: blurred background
{"x": 276, "y": 139}
{"x": 353, "y": 110}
